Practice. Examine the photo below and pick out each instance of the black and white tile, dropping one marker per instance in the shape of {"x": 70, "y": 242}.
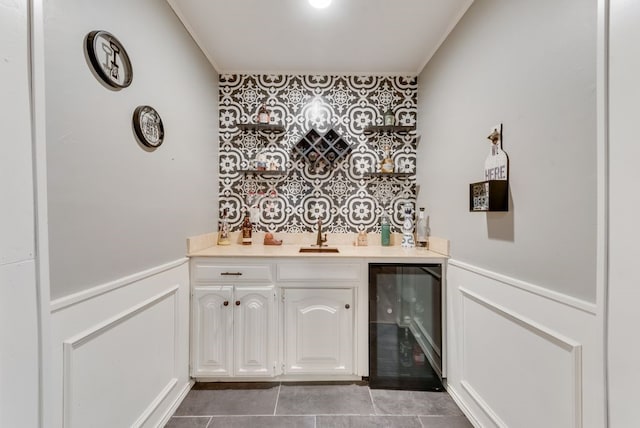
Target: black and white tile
{"x": 339, "y": 195}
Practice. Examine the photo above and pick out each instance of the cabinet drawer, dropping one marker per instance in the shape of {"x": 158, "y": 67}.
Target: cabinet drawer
{"x": 203, "y": 272}
{"x": 318, "y": 271}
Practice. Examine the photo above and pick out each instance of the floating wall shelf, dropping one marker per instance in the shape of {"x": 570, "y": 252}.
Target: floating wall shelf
{"x": 387, "y": 174}
{"x": 491, "y": 195}
{"x": 265, "y": 127}
{"x": 389, "y": 128}
{"x": 260, "y": 172}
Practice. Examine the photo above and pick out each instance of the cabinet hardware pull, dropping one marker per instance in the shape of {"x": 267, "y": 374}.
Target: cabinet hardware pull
{"x": 230, "y": 273}
{"x": 226, "y": 303}
{"x": 347, "y": 306}
{"x": 237, "y": 302}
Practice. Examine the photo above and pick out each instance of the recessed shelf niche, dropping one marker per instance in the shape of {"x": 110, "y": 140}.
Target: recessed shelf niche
{"x": 316, "y": 148}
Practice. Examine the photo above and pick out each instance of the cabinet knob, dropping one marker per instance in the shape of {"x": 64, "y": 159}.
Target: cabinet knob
{"x": 237, "y": 302}
{"x": 347, "y": 306}
{"x": 226, "y": 303}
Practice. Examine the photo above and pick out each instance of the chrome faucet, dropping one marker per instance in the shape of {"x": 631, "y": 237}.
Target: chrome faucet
{"x": 319, "y": 239}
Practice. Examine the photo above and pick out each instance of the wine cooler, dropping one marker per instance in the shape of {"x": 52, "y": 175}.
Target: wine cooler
{"x": 405, "y": 326}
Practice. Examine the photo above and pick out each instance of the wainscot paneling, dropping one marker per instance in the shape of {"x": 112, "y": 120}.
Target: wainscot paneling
{"x": 123, "y": 357}
{"x": 517, "y": 358}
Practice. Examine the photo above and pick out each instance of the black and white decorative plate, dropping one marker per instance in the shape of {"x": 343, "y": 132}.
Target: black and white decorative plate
{"x": 109, "y": 59}
{"x": 148, "y": 127}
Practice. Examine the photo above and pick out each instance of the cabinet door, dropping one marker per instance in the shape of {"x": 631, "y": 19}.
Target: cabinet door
{"x": 213, "y": 331}
{"x": 254, "y": 331}
{"x": 318, "y": 330}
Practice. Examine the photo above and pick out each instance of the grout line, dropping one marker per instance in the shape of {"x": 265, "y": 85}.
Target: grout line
{"x": 275, "y": 408}
{"x": 375, "y": 412}
{"x": 315, "y": 421}
{"x": 209, "y": 423}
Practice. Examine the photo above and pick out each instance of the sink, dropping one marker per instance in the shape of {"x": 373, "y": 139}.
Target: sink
{"x": 319, "y": 250}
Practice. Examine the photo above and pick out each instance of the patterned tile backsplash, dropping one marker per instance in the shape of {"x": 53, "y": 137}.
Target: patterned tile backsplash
{"x": 338, "y": 193}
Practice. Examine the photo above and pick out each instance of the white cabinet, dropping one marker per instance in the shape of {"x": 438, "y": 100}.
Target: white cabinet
{"x": 318, "y": 330}
{"x": 254, "y": 331}
{"x": 234, "y": 331}
{"x": 212, "y": 331}
{"x": 239, "y": 332}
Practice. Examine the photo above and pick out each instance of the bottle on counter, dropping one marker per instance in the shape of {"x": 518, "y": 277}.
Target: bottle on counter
{"x": 246, "y": 231}
{"x": 385, "y": 231}
{"x": 421, "y": 229}
{"x": 223, "y": 232}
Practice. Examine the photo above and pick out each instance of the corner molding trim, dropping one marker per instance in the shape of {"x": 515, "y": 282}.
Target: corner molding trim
{"x": 455, "y": 395}
{"x": 156, "y": 402}
{"x": 583, "y": 305}
{"x": 483, "y": 405}
{"x": 174, "y": 406}
{"x": 73, "y": 299}
{"x": 571, "y": 346}
{"x": 74, "y": 342}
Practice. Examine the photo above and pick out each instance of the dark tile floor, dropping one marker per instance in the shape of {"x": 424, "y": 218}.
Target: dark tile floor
{"x": 285, "y": 405}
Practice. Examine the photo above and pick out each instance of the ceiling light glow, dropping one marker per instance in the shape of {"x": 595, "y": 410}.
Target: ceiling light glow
{"x": 320, "y": 4}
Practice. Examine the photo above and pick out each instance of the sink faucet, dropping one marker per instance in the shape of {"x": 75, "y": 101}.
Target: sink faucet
{"x": 319, "y": 239}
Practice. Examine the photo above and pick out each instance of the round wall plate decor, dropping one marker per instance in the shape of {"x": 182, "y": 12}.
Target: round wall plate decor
{"x": 148, "y": 126}
{"x": 109, "y": 59}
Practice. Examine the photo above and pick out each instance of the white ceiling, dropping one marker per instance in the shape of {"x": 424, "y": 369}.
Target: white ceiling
{"x": 349, "y": 37}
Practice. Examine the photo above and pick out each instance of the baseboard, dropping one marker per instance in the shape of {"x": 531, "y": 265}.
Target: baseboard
{"x": 176, "y": 403}
{"x": 462, "y": 405}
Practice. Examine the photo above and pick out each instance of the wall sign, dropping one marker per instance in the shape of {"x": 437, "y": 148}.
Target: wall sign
{"x": 109, "y": 59}
{"x": 148, "y": 126}
{"x": 496, "y": 165}
{"x": 493, "y": 193}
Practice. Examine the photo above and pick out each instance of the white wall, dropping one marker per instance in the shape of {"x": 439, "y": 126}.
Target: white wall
{"x": 114, "y": 208}
{"x": 19, "y": 361}
{"x": 530, "y": 66}
{"x": 624, "y": 231}
{"x": 524, "y": 308}
{"x": 119, "y": 215}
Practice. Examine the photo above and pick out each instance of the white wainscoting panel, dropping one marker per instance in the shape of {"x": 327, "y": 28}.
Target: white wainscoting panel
{"x": 124, "y": 354}
{"x": 495, "y": 341}
{"x": 516, "y": 358}
{"x": 149, "y": 359}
